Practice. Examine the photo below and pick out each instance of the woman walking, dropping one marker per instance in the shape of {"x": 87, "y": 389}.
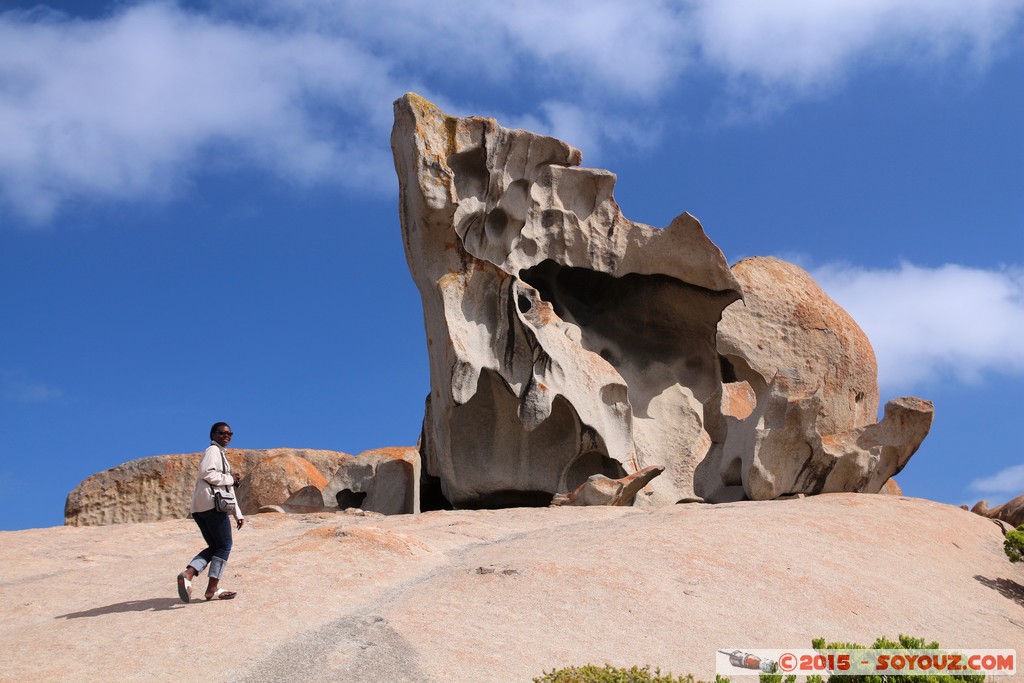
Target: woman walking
{"x": 214, "y": 476}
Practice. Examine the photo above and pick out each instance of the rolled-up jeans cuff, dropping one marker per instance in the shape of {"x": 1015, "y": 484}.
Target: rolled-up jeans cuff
{"x": 217, "y": 567}
{"x": 198, "y": 563}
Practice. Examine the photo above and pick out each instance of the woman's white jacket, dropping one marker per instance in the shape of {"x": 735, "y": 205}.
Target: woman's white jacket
{"x": 215, "y": 472}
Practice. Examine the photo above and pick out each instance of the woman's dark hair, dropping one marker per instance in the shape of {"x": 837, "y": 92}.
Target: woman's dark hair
{"x": 216, "y": 426}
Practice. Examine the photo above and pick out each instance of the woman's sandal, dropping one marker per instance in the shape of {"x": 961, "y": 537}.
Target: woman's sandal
{"x": 222, "y": 594}
{"x": 184, "y": 588}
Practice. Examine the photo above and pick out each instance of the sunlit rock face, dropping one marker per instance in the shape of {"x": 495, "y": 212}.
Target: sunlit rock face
{"x": 812, "y": 374}
{"x": 566, "y": 340}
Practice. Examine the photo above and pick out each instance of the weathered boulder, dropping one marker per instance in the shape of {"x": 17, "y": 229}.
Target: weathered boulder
{"x": 160, "y": 487}
{"x": 141, "y": 490}
{"x": 787, "y": 322}
{"x": 600, "y": 490}
{"x": 282, "y": 479}
{"x": 566, "y": 341}
{"x": 385, "y": 480}
{"x": 1011, "y": 512}
{"x": 891, "y": 488}
{"x": 813, "y": 374}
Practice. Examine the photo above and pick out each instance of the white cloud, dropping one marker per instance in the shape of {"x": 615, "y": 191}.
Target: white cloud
{"x": 123, "y": 107}
{"x": 634, "y": 48}
{"x": 642, "y": 49}
{"x": 586, "y": 129}
{"x": 927, "y": 324}
{"x": 133, "y": 104}
{"x": 1009, "y": 480}
{"x": 808, "y": 43}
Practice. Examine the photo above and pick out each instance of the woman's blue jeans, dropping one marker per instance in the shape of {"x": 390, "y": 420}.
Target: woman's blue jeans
{"x": 216, "y": 529}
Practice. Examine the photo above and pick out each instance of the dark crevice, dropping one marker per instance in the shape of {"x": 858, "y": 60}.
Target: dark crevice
{"x": 728, "y": 371}
{"x": 347, "y": 498}
{"x": 511, "y": 323}
{"x": 431, "y": 495}
{"x": 496, "y": 500}
{"x": 813, "y": 474}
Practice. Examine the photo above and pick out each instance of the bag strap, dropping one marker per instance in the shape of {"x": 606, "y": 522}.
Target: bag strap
{"x": 224, "y": 469}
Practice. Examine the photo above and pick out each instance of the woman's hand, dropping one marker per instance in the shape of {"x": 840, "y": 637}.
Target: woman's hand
{"x": 239, "y": 523}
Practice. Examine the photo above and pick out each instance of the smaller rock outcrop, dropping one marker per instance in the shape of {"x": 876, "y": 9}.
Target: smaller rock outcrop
{"x": 384, "y": 480}
{"x": 799, "y": 400}
{"x": 160, "y": 487}
{"x": 1011, "y": 512}
{"x": 282, "y": 479}
{"x": 891, "y": 488}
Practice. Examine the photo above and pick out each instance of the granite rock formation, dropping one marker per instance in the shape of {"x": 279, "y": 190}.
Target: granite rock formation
{"x": 384, "y": 480}
{"x": 1011, "y": 512}
{"x": 813, "y": 427}
{"x": 567, "y": 341}
{"x": 283, "y": 479}
{"x": 564, "y": 339}
{"x": 160, "y": 487}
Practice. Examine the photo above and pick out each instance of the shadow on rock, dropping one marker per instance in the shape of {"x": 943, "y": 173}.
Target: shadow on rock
{"x": 1008, "y": 588}
{"x": 153, "y": 605}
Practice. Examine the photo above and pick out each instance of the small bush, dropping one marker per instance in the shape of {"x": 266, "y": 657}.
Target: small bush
{"x": 1014, "y": 544}
{"x": 901, "y": 643}
{"x": 610, "y": 674}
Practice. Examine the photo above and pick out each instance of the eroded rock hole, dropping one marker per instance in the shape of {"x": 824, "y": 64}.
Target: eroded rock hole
{"x": 347, "y": 498}
{"x": 728, "y": 371}
{"x": 497, "y": 500}
{"x": 656, "y": 330}
{"x": 470, "y": 171}
{"x": 524, "y": 303}
{"x": 432, "y": 495}
{"x": 590, "y": 463}
{"x": 495, "y": 224}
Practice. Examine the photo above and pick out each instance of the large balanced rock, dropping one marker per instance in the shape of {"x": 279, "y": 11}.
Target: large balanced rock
{"x": 813, "y": 374}
{"x": 786, "y": 321}
{"x": 160, "y": 487}
{"x": 567, "y": 341}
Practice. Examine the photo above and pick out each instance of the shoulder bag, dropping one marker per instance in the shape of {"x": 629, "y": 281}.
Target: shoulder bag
{"x": 223, "y": 501}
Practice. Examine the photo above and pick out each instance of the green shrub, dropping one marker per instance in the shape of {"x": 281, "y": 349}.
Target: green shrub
{"x": 901, "y": 643}
{"x": 1014, "y": 544}
{"x": 610, "y": 674}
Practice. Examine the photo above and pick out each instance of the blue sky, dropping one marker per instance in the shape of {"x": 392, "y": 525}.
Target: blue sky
{"x": 198, "y": 211}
